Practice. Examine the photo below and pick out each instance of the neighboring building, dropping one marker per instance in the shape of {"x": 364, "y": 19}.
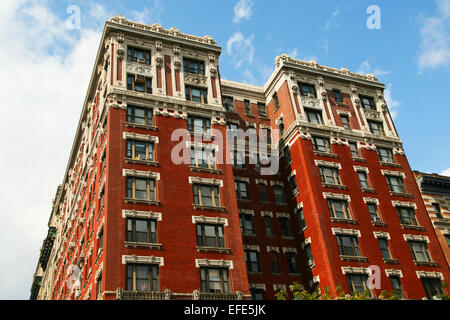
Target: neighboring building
{"x": 129, "y": 223}
{"x": 436, "y": 195}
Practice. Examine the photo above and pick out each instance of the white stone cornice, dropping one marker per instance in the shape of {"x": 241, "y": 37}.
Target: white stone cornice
{"x": 272, "y": 249}
{"x": 396, "y": 203}
{"x": 337, "y": 196}
{"x": 247, "y": 211}
{"x": 393, "y": 173}
{"x": 361, "y": 169}
{"x": 251, "y": 247}
{"x": 328, "y": 164}
{"x": 414, "y": 237}
{"x": 393, "y": 273}
{"x": 198, "y": 180}
{"x": 288, "y": 249}
{"x": 141, "y": 214}
{"x": 142, "y": 259}
{"x": 348, "y": 232}
{"x": 355, "y": 270}
{"x": 267, "y": 214}
{"x": 282, "y": 215}
{"x": 382, "y": 235}
{"x": 140, "y": 174}
{"x": 429, "y": 274}
{"x": 213, "y": 263}
{"x": 371, "y": 200}
{"x": 210, "y": 220}
{"x": 140, "y": 137}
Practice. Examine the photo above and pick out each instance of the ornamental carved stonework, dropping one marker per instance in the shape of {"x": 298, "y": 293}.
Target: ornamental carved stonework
{"x": 195, "y": 79}
{"x": 139, "y": 68}
{"x": 372, "y": 114}
{"x": 310, "y": 102}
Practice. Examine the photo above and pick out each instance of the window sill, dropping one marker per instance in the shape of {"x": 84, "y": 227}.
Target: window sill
{"x": 244, "y": 200}
{"x": 390, "y": 261}
{"x": 213, "y": 249}
{"x": 200, "y": 169}
{"x": 426, "y": 263}
{"x": 343, "y": 220}
{"x": 401, "y": 194}
{"x": 359, "y": 159}
{"x": 156, "y": 246}
{"x": 412, "y": 227}
{"x": 379, "y": 223}
{"x": 295, "y": 274}
{"x": 254, "y": 273}
{"x": 368, "y": 190}
{"x": 281, "y": 203}
{"x": 141, "y": 126}
{"x": 145, "y": 162}
{"x": 325, "y": 154}
{"x": 141, "y": 201}
{"x": 354, "y": 258}
{"x": 211, "y": 208}
{"x": 249, "y": 234}
{"x": 335, "y": 186}
{"x": 390, "y": 164}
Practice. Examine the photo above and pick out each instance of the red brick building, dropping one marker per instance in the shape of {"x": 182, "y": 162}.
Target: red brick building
{"x": 130, "y": 222}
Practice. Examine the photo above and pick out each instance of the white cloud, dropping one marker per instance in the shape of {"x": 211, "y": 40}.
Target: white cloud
{"x": 331, "y": 20}
{"x": 149, "y": 16}
{"x": 45, "y": 75}
{"x": 242, "y": 10}
{"x": 435, "y": 38}
{"x": 391, "y": 103}
{"x": 366, "y": 68}
{"x": 241, "y": 49}
{"x": 446, "y": 172}
{"x": 293, "y": 53}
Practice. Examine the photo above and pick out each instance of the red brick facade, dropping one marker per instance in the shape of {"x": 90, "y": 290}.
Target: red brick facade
{"x": 174, "y": 77}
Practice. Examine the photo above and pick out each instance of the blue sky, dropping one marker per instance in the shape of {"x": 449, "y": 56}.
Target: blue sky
{"x": 410, "y": 54}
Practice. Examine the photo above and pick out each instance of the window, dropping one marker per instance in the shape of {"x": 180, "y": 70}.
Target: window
{"x": 419, "y": 251}
{"x": 432, "y": 286}
{"x": 395, "y": 184}
{"x": 203, "y": 158}
{"x": 228, "y": 103}
{"x": 199, "y": 125}
{"x": 279, "y": 194}
{"x": 269, "y": 226}
{"x": 287, "y": 154}
{"x": 100, "y": 241}
{"x": 139, "y": 83}
{"x": 385, "y": 155}
{"x": 437, "y": 210}
{"x": 139, "y": 115}
{"x": 252, "y": 260}
{"x": 357, "y": 283}
{"x": 339, "y": 209}
{"x": 142, "y": 277}
{"x": 193, "y": 66}
{"x": 285, "y": 227}
{"x": 275, "y": 262}
{"x": 307, "y": 90}
{"x": 196, "y": 94}
{"x": 354, "y": 150}
{"x": 345, "y": 122}
{"x": 291, "y": 258}
{"x": 348, "y": 245}
{"x": 267, "y": 135}
{"x": 237, "y": 159}
{"x": 141, "y": 230}
{"x": 309, "y": 256}
{"x": 276, "y": 102}
{"x": 321, "y": 144}
{"x": 99, "y": 287}
{"x": 214, "y": 280}
{"x": 263, "y": 192}
{"x": 293, "y": 183}
{"x": 206, "y": 195}
{"x": 447, "y": 238}
{"x": 376, "y": 127}
{"x": 363, "y": 180}
{"x": 301, "y": 218}
{"x": 247, "y": 107}
{"x": 262, "y": 110}
{"x": 337, "y": 96}
{"x": 141, "y": 188}
{"x": 257, "y": 294}
{"x": 314, "y": 116}
{"x": 384, "y": 247}
{"x": 373, "y": 210}
{"x": 397, "y": 286}
{"x": 281, "y": 126}
{"x": 210, "y": 235}
{"x": 367, "y": 102}
{"x": 140, "y": 150}
{"x": 329, "y": 175}
{"x": 407, "y": 216}
{"x": 241, "y": 188}
{"x": 138, "y": 55}
{"x": 246, "y": 222}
